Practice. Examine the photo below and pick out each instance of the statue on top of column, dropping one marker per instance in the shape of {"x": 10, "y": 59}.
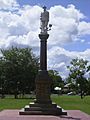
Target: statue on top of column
{"x": 44, "y": 21}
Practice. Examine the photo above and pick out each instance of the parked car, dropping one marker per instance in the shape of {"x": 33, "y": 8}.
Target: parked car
{"x": 71, "y": 93}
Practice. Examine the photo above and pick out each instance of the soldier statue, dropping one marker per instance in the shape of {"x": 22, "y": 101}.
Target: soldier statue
{"x": 44, "y": 21}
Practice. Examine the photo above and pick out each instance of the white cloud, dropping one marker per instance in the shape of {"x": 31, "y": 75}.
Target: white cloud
{"x": 65, "y": 23}
{"x": 59, "y": 58}
{"x": 21, "y": 27}
{"x": 88, "y": 42}
{"x": 84, "y": 28}
{"x": 26, "y": 20}
{"x": 83, "y": 40}
{"x": 8, "y": 4}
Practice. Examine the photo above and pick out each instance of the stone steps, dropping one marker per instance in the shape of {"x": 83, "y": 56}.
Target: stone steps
{"x": 41, "y": 109}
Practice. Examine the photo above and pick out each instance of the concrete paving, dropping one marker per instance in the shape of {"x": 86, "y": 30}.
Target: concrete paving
{"x": 14, "y": 115}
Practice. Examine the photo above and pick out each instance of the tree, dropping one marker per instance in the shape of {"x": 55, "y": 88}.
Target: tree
{"x": 88, "y": 86}
{"x": 56, "y": 79}
{"x": 78, "y": 69}
{"x": 20, "y": 69}
{"x": 2, "y": 77}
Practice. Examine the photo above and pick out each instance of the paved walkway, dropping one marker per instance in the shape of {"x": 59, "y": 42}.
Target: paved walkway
{"x": 72, "y": 115}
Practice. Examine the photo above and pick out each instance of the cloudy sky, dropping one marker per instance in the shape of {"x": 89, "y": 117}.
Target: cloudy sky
{"x": 69, "y": 37}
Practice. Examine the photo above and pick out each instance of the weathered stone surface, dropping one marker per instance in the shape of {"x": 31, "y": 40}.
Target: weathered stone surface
{"x": 43, "y": 84}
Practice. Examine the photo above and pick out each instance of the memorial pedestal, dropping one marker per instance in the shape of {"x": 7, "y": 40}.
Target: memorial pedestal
{"x": 43, "y": 104}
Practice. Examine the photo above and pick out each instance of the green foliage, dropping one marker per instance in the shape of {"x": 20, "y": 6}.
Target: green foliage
{"x": 19, "y": 67}
{"x": 78, "y": 69}
{"x": 56, "y": 79}
{"x": 88, "y": 87}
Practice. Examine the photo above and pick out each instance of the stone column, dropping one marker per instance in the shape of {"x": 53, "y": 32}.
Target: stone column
{"x": 43, "y": 81}
{"x": 43, "y": 51}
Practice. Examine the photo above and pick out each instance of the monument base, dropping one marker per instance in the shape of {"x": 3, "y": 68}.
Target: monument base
{"x": 42, "y": 109}
{"x": 43, "y": 104}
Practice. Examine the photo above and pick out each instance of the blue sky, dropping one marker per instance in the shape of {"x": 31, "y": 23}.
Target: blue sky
{"x": 69, "y": 37}
{"x": 82, "y": 5}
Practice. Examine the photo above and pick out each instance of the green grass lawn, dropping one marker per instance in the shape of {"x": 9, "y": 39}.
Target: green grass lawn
{"x": 11, "y": 103}
{"x": 73, "y": 103}
{"x": 66, "y": 102}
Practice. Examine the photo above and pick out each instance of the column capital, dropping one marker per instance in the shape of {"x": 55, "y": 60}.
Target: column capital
{"x": 43, "y": 36}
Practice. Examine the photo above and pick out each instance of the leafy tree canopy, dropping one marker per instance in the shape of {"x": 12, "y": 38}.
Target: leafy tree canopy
{"x": 19, "y": 67}
{"x": 78, "y": 69}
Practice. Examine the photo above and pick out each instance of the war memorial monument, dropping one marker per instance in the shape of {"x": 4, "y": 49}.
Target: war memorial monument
{"x": 43, "y": 104}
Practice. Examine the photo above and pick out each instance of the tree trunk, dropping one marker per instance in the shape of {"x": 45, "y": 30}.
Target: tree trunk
{"x": 81, "y": 94}
{"x": 15, "y": 95}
